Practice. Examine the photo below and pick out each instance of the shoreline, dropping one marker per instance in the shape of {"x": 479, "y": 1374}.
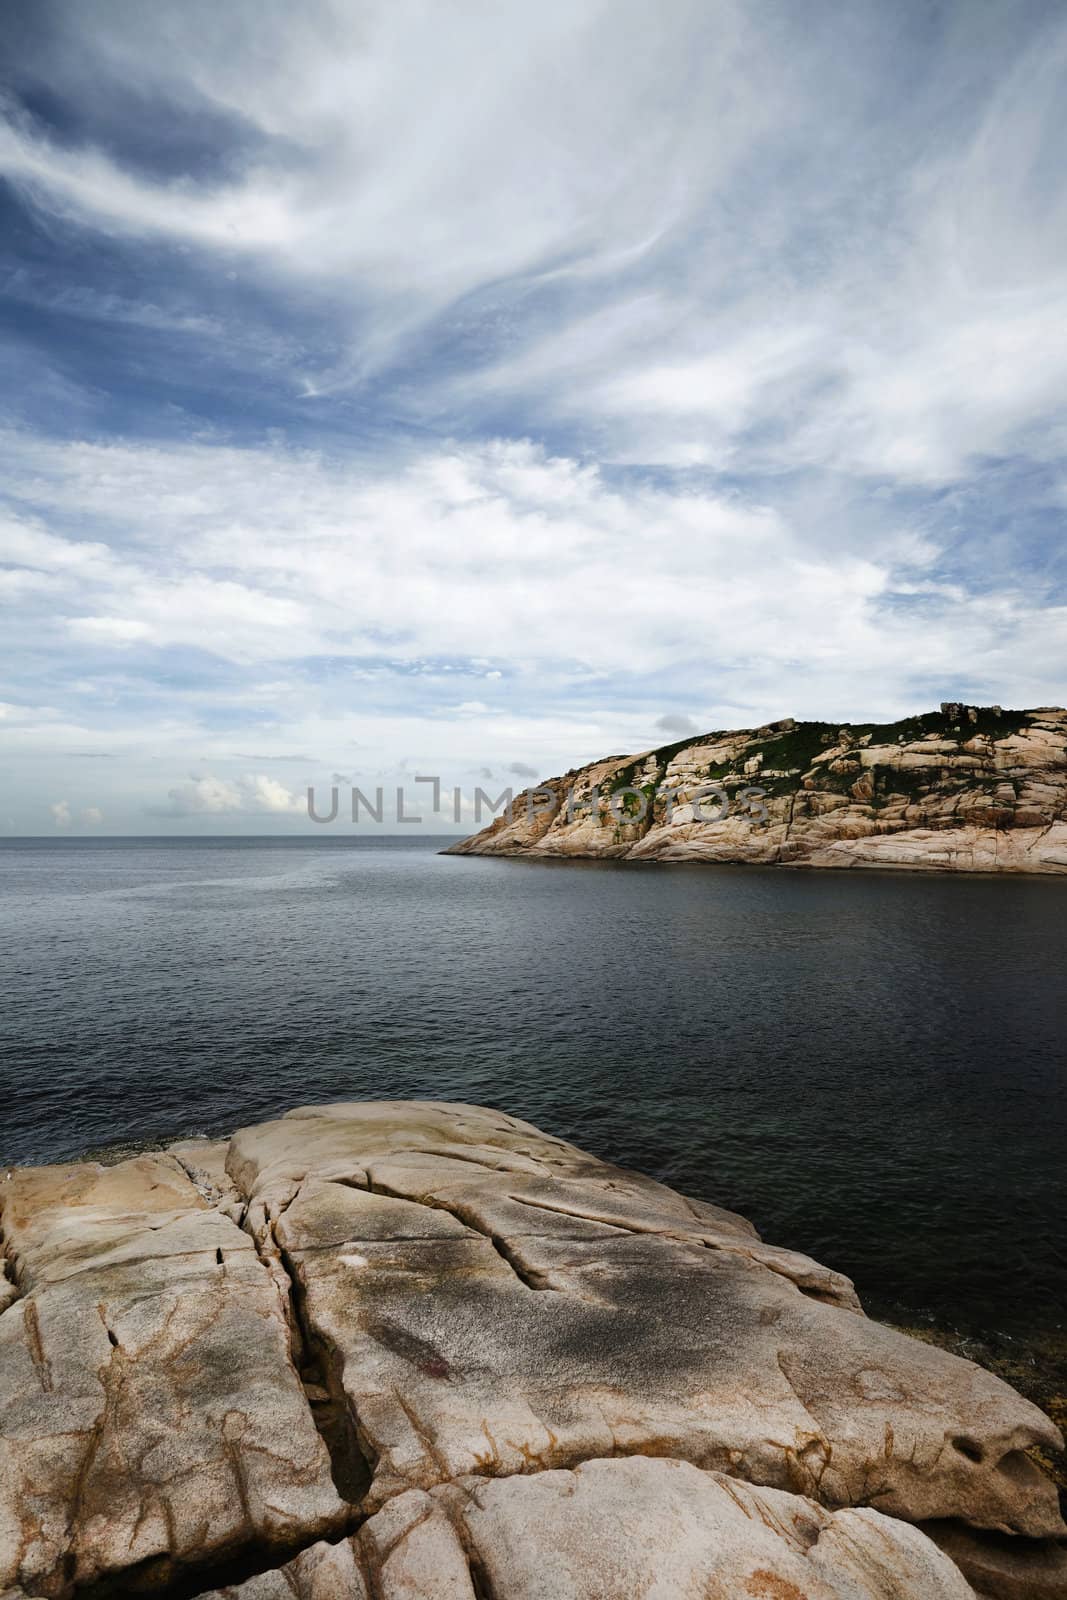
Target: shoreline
{"x": 888, "y": 869}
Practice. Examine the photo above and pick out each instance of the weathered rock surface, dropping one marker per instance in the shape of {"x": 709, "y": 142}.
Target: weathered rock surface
{"x": 537, "y": 1375}
{"x": 632, "y": 1528}
{"x": 150, "y": 1416}
{"x": 966, "y": 789}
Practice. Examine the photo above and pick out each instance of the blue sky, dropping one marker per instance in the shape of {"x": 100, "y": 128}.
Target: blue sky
{"x": 479, "y": 389}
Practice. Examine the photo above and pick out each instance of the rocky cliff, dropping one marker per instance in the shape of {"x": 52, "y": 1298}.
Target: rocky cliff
{"x": 421, "y": 1351}
{"x": 966, "y": 789}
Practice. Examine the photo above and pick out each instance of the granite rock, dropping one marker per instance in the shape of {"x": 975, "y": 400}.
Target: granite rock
{"x": 151, "y": 1419}
{"x": 516, "y": 1369}
{"x": 639, "y": 1528}
{"x": 965, "y": 789}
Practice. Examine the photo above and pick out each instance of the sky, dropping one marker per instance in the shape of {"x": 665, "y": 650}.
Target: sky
{"x": 393, "y": 388}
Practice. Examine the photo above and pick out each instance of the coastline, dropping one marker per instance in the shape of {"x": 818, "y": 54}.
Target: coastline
{"x": 890, "y": 869}
{"x": 967, "y": 789}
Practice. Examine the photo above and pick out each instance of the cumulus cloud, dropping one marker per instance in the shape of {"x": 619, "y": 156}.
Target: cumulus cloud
{"x": 283, "y": 578}
{"x": 61, "y": 813}
{"x": 497, "y": 549}
{"x": 250, "y": 795}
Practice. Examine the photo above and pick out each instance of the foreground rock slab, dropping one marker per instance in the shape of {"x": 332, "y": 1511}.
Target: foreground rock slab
{"x": 518, "y": 1371}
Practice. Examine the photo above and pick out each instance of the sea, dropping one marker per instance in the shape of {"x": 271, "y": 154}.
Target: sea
{"x": 871, "y": 1066}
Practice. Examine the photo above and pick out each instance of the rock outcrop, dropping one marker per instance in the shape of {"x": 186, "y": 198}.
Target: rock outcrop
{"x": 965, "y": 789}
{"x": 421, "y": 1351}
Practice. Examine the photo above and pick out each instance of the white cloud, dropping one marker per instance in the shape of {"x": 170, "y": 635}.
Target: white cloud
{"x": 413, "y": 157}
{"x": 199, "y": 795}
{"x": 486, "y": 549}
{"x": 810, "y": 268}
{"x": 61, "y": 813}
{"x": 26, "y": 543}
{"x": 861, "y": 270}
{"x": 253, "y": 215}
{"x": 92, "y": 816}
{"x": 21, "y": 715}
{"x": 495, "y": 551}
{"x": 267, "y": 794}
{"x": 109, "y": 630}
{"x": 250, "y": 795}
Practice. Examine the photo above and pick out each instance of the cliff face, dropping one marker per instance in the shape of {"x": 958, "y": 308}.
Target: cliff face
{"x": 966, "y": 789}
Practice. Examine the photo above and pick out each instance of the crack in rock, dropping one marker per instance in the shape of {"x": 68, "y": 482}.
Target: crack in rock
{"x": 349, "y": 1467}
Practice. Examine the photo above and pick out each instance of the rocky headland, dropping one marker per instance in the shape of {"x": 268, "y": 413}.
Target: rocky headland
{"x": 965, "y": 789}
{"x": 422, "y": 1351}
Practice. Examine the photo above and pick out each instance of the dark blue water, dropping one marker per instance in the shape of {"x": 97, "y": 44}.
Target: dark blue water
{"x": 871, "y": 1067}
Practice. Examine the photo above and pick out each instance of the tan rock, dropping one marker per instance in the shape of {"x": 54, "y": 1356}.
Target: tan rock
{"x": 500, "y": 1302}
{"x": 660, "y": 1529}
{"x": 531, "y": 816}
{"x": 1005, "y": 1569}
{"x": 982, "y": 792}
{"x": 540, "y": 1377}
{"x": 964, "y": 849}
{"x": 631, "y": 1529}
{"x": 322, "y": 1572}
{"x": 152, "y": 1419}
{"x": 204, "y": 1163}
